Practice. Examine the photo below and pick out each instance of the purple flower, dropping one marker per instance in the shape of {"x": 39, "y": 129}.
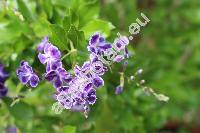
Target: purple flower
{"x": 82, "y": 71}
{"x": 118, "y": 90}
{"x": 90, "y": 69}
{"x": 97, "y": 66}
{"x": 53, "y": 65}
{"x": 118, "y": 58}
{"x": 51, "y": 57}
{"x": 78, "y": 93}
{"x": 98, "y": 81}
{"x": 120, "y": 43}
{"x": 26, "y": 75}
{"x": 65, "y": 99}
{"x": 63, "y": 88}
{"x": 11, "y": 129}
{"x": 79, "y": 86}
{"x": 97, "y": 44}
{"x": 59, "y": 77}
{"x": 41, "y": 46}
{"x": 50, "y": 53}
{"x": 91, "y": 97}
{"x": 86, "y": 85}
{"x": 82, "y": 90}
{"x": 3, "y": 90}
{"x": 105, "y": 52}
{"x": 3, "y": 74}
{"x": 91, "y": 72}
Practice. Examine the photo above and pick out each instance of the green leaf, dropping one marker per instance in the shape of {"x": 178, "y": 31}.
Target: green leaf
{"x": 62, "y": 3}
{"x": 25, "y": 10}
{"x": 88, "y": 12}
{"x": 70, "y": 19}
{"x": 101, "y": 26}
{"x": 41, "y": 27}
{"x": 22, "y": 43}
{"x": 76, "y": 36}
{"x": 21, "y": 110}
{"x": 69, "y": 129}
{"x": 74, "y": 17}
{"x": 9, "y": 33}
{"x": 48, "y": 7}
{"x": 59, "y": 37}
{"x": 67, "y": 23}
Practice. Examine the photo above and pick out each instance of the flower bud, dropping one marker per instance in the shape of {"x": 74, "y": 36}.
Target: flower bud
{"x": 132, "y": 78}
{"x": 139, "y": 72}
{"x": 118, "y": 90}
{"x": 142, "y": 82}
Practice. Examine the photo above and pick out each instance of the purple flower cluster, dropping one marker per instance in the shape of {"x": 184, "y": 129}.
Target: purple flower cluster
{"x": 116, "y": 52}
{"x": 26, "y": 75}
{"x": 3, "y": 76}
{"x": 78, "y": 91}
{"x": 81, "y": 90}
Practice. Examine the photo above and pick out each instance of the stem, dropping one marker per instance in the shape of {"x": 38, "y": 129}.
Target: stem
{"x": 121, "y": 79}
{"x": 19, "y": 87}
{"x": 70, "y": 52}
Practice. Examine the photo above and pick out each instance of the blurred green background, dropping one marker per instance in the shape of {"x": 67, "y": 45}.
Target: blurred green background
{"x": 168, "y": 49}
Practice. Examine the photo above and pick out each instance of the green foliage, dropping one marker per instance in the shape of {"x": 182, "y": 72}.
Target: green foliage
{"x": 22, "y": 7}
{"x": 69, "y": 129}
{"x": 97, "y": 25}
{"x": 167, "y": 49}
{"x": 59, "y": 36}
{"x": 20, "y": 111}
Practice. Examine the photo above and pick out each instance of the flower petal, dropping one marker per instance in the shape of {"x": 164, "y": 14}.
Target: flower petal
{"x": 98, "y": 82}
{"x": 118, "y": 90}
{"x": 77, "y": 70}
{"x": 23, "y": 63}
{"x": 94, "y": 39}
{"x": 50, "y": 76}
{"x": 87, "y": 87}
{"x": 91, "y": 92}
{"x": 92, "y": 49}
{"x": 57, "y": 83}
{"x": 54, "y": 52}
{"x": 43, "y": 58}
{"x": 24, "y": 79}
{"x": 34, "y": 80}
{"x": 105, "y": 46}
{"x": 63, "y": 88}
{"x": 47, "y": 47}
{"x": 118, "y": 58}
{"x": 41, "y": 46}
{"x": 56, "y": 64}
{"x": 91, "y": 99}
